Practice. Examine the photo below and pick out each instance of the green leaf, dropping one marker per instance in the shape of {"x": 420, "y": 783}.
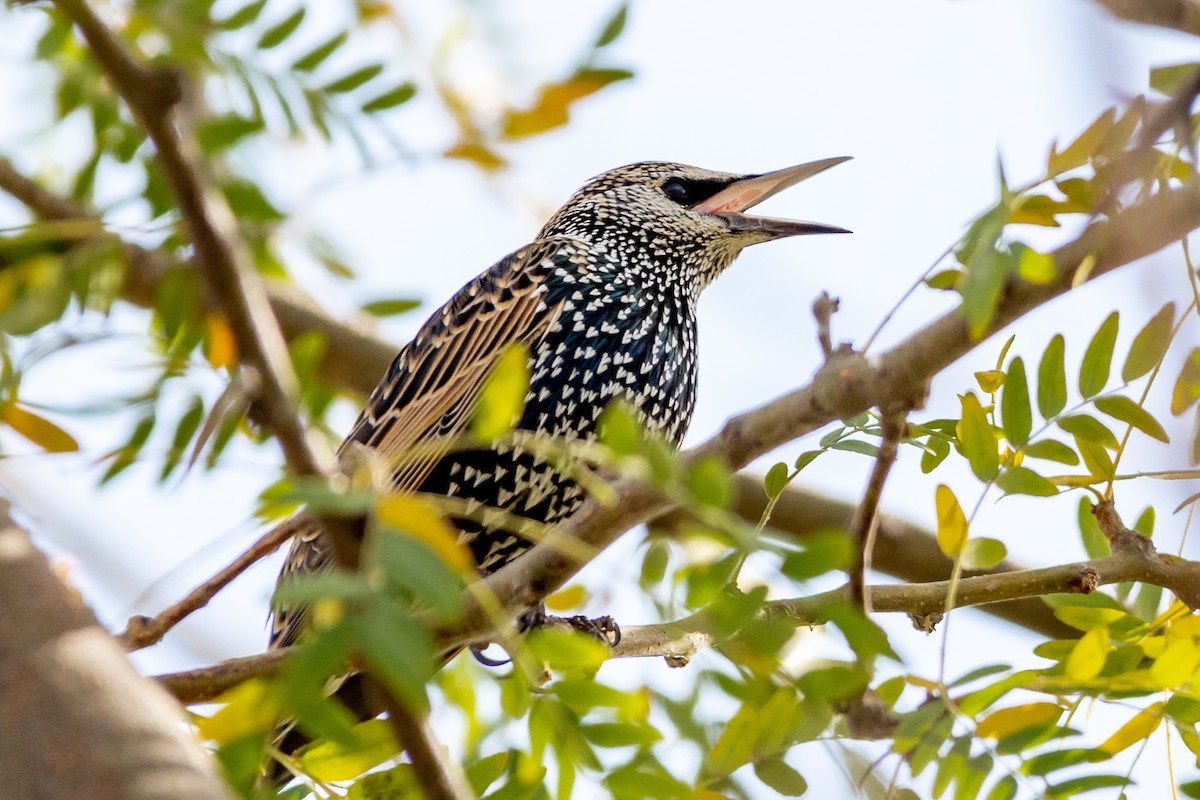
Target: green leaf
{"x": 1052, "y": 379}
{"x": 1097, "y": 359}
{"x": 776, "y": 480}
{"x": 1086, "y": 784}
{"x": 620, "y": 734}
{"x": 390, "y": 307}
{"x": 338, "y": 761}
{"x": 242, "y": 17}
{"x": 1022, "y": 480}
{"x": 977, "y": 439}
{"x": 1169, "y": 79}
{"x": 189, "y": 423}
{"x": 317, "y": 56}
{"x": 781, "y": 776}
{"x": 355, "y": 79}
{"x": 983, "y": 553}
{"x": 990, "y": 380}
{"x": 824, "y": 551}
{"x": 936, "y": 450}
{"x": 277, "y": 34}
{"x": 951, "y": 522}
{"x": 1045, "y": 763}
{"x": 1083, "y": 148}
{"x": 1014, "y": 404}
{"x": 856, "y": 446}
{"x": 1150, "y": 344}
{"x": 1004, "y": 789}
{"x": 1037, "y": 268}
{"x": 1128, "y": 411}
{"x": 1095, "y": 458}
{"x": 564, "y": 649}
{"x": 503, "y": 395}
{"x": 390, "y": 99}
{"x": 987, "y": 270}
{"x": 1089, "y": 429}
{"x": 1187, "y": 386}
{"x": 613, "y": 28}
{"x": 1051, "y": 450}
{"x": 1095, "y": 543}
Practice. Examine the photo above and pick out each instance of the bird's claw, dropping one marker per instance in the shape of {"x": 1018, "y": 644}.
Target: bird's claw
{"x": 603, "y": 628}
{"x": 487, "y": 661}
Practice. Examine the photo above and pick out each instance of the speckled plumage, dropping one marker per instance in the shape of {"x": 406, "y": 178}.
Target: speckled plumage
{"x": 605, "y": 300}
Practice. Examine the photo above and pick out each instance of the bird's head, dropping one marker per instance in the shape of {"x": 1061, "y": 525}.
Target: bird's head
{"x": 681, "y": 217}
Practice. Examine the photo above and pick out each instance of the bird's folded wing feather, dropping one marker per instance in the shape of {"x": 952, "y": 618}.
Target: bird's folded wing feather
{"x": 431, "y": 387}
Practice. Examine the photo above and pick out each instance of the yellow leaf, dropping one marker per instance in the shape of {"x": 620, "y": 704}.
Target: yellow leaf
{"x": 1089, "y": 654}
{"x": 1185, "y": 626}
{"x": 503, "y": 395}
{"x": 952, "y": 522}
{"x": 990, "y": 380}
{"x": 421, "y": 520}
{"x": 332, "y": 761}
{"x": 250, "y": 707}
{"x": 1134, "y": 731}
{"x": 735, "y": 745}
{"x": 478, "y": 154}
{"x": 219, "y": 347}
{"x": 568, "y": 598}
{"x": 39, "y": 430}
{"x": 1176, "y": 664}
{"x": 1006, "y": 721}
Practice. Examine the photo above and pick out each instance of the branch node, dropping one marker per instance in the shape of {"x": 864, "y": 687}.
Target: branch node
{"x": 823, "y": 309}
{"x": 677, "y": 660}
{"x": 926, "y": 623}
{"x": 1086, "y": 582}
{"x": 1123, "y": 539}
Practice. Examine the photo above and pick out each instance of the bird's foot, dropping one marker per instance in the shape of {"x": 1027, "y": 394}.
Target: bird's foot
{"x": 604, "y": 629}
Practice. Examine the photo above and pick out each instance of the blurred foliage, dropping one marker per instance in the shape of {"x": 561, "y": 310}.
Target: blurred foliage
{"x": 746, "y": 716}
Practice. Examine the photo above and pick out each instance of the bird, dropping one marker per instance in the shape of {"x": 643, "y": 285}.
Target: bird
{"x": 604, "y": 302}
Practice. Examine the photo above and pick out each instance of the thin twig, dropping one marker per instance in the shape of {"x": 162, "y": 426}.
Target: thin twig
{"x": 141, "y": 631}
{"x": 865, "y": 523}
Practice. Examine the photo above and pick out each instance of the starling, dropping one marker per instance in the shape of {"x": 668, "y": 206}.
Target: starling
{"x": 605, "y": 301}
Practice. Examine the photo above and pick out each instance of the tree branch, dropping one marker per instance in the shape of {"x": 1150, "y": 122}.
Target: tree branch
{"x": 78, "y": 721}
{"x": 141, "y": 631}
{"x": 354, "y": 359}
{"x": 679, "y": 641}
{"x": 864, "y": 525}
{"x": 227, "y": 270}
{"x": 1180, "y": 15}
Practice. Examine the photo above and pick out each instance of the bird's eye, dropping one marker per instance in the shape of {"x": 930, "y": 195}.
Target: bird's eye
{"x": 679, "y": 191}
{"x": 690, "y": 191}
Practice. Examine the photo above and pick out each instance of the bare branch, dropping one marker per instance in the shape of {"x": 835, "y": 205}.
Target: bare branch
{"x": 865, "y": 523}
{"x": 141, "y": 631}
{"x": 1180, "y": 15}
{"x": 78, "y": 721}
{"x": 679, "y": 641}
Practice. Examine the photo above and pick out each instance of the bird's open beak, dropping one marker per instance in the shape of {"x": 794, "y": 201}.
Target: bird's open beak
{"x": 730, "y": 202}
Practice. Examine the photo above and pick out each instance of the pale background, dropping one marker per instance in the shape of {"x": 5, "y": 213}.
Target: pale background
{"x": 925, "y": 95}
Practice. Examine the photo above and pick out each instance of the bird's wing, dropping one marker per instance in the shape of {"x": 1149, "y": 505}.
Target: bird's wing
{"x": 433, "y": 383}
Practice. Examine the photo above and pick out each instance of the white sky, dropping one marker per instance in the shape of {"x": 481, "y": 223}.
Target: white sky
{"x": 923, "y": 94}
